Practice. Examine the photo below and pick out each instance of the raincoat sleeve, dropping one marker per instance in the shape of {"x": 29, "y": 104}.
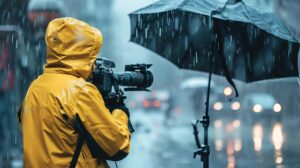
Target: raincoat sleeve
{"x": 109, "y": 130}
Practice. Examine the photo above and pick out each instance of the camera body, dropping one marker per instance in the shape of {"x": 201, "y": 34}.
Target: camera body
{"x": 136, "y": 77}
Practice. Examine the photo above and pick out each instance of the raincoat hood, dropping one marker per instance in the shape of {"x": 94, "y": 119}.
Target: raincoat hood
{"x": 72, "y": 47}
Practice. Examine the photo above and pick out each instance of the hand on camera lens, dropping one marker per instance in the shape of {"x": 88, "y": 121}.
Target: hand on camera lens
{"x": 118, "y": 104}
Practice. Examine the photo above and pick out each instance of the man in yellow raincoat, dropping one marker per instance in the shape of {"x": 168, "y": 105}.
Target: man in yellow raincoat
{"x": 60, "y": 94}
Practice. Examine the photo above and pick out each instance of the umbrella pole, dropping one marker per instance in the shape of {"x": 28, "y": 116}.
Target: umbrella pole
{"x": 204, "y": 150}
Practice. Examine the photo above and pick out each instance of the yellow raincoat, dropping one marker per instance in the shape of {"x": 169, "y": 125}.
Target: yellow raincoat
{"x": 52, "y": 101}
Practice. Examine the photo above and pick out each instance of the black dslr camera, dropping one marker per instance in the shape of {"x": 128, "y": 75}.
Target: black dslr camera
{"x": 136, "y": 77}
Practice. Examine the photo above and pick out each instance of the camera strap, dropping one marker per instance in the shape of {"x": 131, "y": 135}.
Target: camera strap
{"x": 95, "y": 149}
{"x": 79, "y": 143}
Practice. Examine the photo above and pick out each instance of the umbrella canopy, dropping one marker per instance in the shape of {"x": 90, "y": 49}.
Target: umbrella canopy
{"x": 252, "y": 44}
{"x": 288, "y": 11}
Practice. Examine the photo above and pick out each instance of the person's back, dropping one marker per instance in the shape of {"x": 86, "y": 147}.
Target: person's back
{"x": 62, "y": 92}
{"x": 48, "y": 133}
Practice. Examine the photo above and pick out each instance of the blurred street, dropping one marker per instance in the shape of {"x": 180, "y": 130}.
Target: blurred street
{"x": 232, "y": 145}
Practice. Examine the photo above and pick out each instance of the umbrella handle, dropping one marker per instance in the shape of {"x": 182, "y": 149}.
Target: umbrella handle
{"x": 218, "y": 42}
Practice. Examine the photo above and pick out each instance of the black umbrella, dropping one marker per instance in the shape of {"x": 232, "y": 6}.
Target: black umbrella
{"x": 257, "y": 45}
{"x": 234, "y": 40}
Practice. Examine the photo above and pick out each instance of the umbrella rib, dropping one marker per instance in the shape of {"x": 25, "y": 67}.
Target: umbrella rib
{"x": 183, "y": 60}
{"x": 183, "y": 3}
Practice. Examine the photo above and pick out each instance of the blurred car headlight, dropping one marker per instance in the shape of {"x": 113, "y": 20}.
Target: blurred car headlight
{"x": 235, "y": 106}
{"x": 257, "y": 108}
{"x": 227, "y": 91}
{"x": 146, "y": 103}
{"x": 277, "y": 108}
{"x": 156, "y": 103}
{"x": 218, "y": 106}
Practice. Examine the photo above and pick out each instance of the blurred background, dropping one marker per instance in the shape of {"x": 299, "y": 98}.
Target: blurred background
{"x": 258, "y": 129}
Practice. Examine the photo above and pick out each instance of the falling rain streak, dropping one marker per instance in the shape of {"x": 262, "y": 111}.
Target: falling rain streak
{"x": 254, "y": 45}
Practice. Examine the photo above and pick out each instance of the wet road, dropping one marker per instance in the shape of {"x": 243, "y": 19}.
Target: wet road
{"x": 233, "y": 144}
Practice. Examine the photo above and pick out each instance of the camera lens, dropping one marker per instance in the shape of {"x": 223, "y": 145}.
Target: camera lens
{"x": 135, "y": 78}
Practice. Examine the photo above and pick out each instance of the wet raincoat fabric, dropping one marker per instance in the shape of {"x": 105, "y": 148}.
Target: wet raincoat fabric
{"x": 54, "y": 98}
